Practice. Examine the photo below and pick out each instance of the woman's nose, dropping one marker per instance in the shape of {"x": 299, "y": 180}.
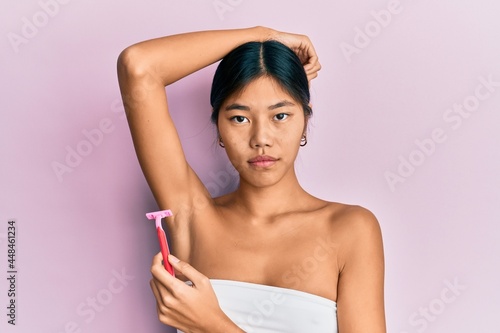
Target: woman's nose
{"x": 261, "y": 136}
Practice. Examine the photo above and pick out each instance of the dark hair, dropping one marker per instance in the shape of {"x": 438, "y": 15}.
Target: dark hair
{"x": 254, "y": 60}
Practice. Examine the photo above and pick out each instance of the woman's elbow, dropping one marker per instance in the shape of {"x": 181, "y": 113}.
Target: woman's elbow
{"x": 132, "y": 62}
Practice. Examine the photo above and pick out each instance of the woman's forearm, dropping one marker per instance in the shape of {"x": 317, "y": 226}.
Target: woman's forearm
{"x": 171, "y": 58}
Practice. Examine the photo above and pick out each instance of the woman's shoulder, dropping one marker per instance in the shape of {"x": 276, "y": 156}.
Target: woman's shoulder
{"x": 356, "y": 231}
{"x": 352, "y": 219}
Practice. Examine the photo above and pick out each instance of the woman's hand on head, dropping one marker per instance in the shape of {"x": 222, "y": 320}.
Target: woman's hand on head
{"x": 188, "y": 308}
{"x": 303, "y": 48}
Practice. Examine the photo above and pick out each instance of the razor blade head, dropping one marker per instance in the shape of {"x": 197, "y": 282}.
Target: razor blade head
{"x": 161, "y": 214}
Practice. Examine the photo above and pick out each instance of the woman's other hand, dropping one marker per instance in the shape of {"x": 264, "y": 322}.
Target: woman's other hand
{"x": 189, "y": 308}
{"x": 303, "y": 48}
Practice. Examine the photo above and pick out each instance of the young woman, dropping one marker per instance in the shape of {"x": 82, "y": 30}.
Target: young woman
{"x": 268, "y": 257}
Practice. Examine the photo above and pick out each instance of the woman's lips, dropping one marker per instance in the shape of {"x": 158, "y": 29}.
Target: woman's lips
{"x": 262, "y": 161}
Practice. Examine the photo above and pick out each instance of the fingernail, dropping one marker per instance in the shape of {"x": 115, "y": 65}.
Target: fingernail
{"x": 173, "y": 259}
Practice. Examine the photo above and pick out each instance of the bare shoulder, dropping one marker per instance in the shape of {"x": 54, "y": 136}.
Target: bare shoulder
{"x": 340, "y": 218}
{"x": 357, "y": 231}
{"x": 356, "y": 219}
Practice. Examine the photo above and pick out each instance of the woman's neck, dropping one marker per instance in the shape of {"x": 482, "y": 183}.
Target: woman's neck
{"x": 266, "y": 203}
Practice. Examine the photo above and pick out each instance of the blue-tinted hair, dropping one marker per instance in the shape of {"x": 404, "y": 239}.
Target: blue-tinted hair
{"x": 254, "y": 60}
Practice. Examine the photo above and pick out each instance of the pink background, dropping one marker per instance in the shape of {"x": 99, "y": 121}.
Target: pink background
{"x": 379, "y": 93}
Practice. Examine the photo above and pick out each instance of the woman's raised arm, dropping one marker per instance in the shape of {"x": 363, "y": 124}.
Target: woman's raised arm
{"x": 144, "y": 69}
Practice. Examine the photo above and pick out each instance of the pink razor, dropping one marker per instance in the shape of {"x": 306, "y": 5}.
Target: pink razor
{"x": 162, "y": 238}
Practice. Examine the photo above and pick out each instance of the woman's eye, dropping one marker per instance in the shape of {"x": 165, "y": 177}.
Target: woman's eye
{"x": 281, "y": 116}
{"x": 239, "y": 119}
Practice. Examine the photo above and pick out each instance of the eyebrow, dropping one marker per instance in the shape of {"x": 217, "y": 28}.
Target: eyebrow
{"x": 236, "y": 106}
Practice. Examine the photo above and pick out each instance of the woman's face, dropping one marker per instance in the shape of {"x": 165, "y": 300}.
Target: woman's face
{"x": 261, "y": 128}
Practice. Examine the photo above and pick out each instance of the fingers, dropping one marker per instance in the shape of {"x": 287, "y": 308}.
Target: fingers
{"x": 188, "y": 271}
{"x": 312, "y": 66}
{"x": 164, "y": 287}
{"x": 157, "y": 267}
{"x": 312, "y": 70}
{"x": 179, "y": 305}
{"x": 171, "y": 283}
{"x": 154, "y": 288}
{"x": 163, "y": 302}
{"x": 157, "y": 259}
{"x": 305, "y": 51}
{"x": 161, "y": 275}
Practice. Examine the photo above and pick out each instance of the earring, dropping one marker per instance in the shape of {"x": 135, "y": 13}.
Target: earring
{"x": 303, "y": 141}
{"x": 221, "y": 144}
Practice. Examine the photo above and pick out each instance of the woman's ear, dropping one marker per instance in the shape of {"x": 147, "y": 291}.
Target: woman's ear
{"x": 307, "y": 111}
